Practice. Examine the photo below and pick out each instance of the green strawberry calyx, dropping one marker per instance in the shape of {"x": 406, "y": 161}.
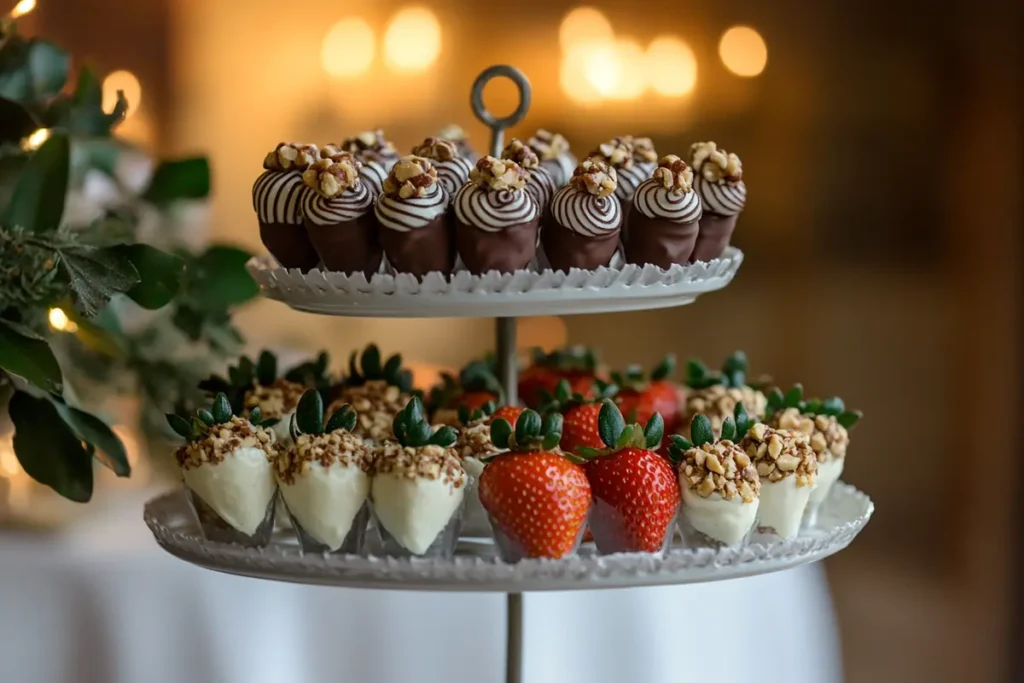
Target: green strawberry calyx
{"x": 477, "y": 376}
{"x": 633, "y": 376}
{"x": 367, "y": 367}
{"x": 794, "y": 398}
{"x": 617, "y": 435}
{"x": 195, "y": 427}
{"x": 467, "y": 417}
{"x": 413, "y": 431}
{"x": 734, "y": 428}
{"x": 309, "y": 416}
{"x": 567, "y": 359}
{"x": 531, "y": 432}
{"x": 732, "y": 375}
{"x": 564, "y": 398}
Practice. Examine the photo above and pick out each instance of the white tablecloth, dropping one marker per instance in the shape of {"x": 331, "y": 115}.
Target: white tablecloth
{"x": 101, "y": 603}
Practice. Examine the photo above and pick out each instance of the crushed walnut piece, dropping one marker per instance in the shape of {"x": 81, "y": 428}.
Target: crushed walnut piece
{"x": 437, "y": 149}
{"x": 548, "y": 145}
{"x": 332, "y": 175}
{"x": 674, "y": 174}
{"x": 719, "y": 402}
{"x": 412, "y": 176}
{"x": 290, "y": 156}
{"x": 723, "y": 468}
{"x": 827, "y": 437}
{"x": 426, "y": 462}
{"x": 376, "y": 403}
{"x": 778, "y": 454}
{"x": 474, "y": 440}
{"x": 715, "y": 165}
{"x": 617, "y": 152}
{"x": 369, "y": 145}
{"x": 643, "y": 150}
{"x": 518, "y": 151}
{"x": 453, "y": 132}
{"x": 339, "y": 447}
{"x": 223, "y": 439}
{"x": 274, "y": 400}
{"x": 498, "y": 174}
{"x": 595, "y": 177}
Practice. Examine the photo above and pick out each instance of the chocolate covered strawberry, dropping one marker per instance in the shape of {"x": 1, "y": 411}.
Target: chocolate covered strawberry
{"x": 536, "y": 498}
{"x": 640, "y": 397}
{"x": 636, "y": 494}
{"x": 576, "y": 364}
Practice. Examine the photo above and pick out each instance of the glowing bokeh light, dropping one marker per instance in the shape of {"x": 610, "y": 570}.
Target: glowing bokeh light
{"x": 412, "y": 41}
{"x": 671, "y": 66}
{"x": 22, "y": 8}
{"x": 743, "y": 51}
{"x": 347, "y": 48}
{"x": 584, "y": 25}
{"x": 126, "y": 82}
{"x": 632, "y": 72}
{"x": 59, "y": 321}
{"x": 602, "y": 67}
{"x": 573, "y": 78}
{"x": 36, "y": 139}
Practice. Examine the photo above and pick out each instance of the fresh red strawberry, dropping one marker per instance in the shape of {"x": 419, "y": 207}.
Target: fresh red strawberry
{"x": 476, "y": 400}
{"x": 580, "y": 425}
{"x": 639, "y": 399}
{"x": 508, "y": 413}
{"x": 577, "y": 365}
{"x": 636, "y": 494}
{"x": 474, "y": 388}
{"x": 537, "y": 498}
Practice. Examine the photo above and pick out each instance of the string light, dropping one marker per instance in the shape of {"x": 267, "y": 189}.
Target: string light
{"x": 743, "y": 51}
{"x": 35, "y": 140}
{"x": 22, "y": 8}
{"x": 126, "y": 82}
{"x": 671, "y": 66}
{"x": 348, "y": 48}
{"x": 59, "y": 321}
{"x": 412, "y": 41}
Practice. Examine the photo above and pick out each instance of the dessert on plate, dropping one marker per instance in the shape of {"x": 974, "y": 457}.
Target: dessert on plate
{"x": 536, "y": 498}
{"x": 473, "y": 388}
{"x": 723, "y": 194}
{"x": 788, "y": 468}
{"x": 456, "y": 134}
{"x": 553, "y": 150}
{"x": 826, "y": 423}
{"x": 636, "y": 496}
{"x": 639, "y": 396}
{"x": 579, "y": 414}
{"x": 496, "y": 219}
{"x": 419, "y": 487}
{"x": 576, "y": 364}
{"x": 374, "y": 151}
{"x": 452, "y": 168}
{"x": 277, "y": 200}
{"x": 473, "y": 446}
{"x": 377, "y": 391}
{"x": 663, "y": 217}
{"x": 226, "y": 465}
{"x": 337, "y": 210}
{"x": 540, "y": 183}
{"x": 633, "y": 159}
{"x": 719, "y": 484}
{"x": 586, "y": 219}
{"x": 324, "y": 479}
{"x": 411, "y": 212}
{"x": 716, "y": 394}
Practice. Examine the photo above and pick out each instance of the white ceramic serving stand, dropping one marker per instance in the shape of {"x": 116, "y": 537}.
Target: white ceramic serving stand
{"x": 475, "y": 566}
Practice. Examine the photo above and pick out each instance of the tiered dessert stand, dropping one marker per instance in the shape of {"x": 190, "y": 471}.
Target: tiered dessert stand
{"x": 475, "y": 566}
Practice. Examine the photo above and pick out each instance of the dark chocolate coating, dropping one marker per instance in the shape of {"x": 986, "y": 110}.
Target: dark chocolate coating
{"x": 505, "y": 251}
{"x": 714, "y": 235}
{"x": 349, "y": 247}
{"x": 658, "y": 241}
{"x": 423, "y": 250}
{"x": 565, "y": 249}
{"x": 290, "y": 245}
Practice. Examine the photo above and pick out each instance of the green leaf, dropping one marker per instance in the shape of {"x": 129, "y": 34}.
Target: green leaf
{"x": 309, "y": 414}
{"x": 414, "y": 409}
{"x": 501, "y": 430}
{"x": 16, "y": 122}
{"x": 419, "y": 433}
{"x": 728, "y": 429}
{"x": 610, "y": 424}
{"x": 735, "y": 364}
{"x": 33, "y": 72}
{"x": 850, "y": 418}
{"x": 700, "y": 430}
{"x": 180, "y": 425}
{"x": 91, "y": 429}
{"x": 833, "y": 406}
{"x": 527, "y": 427}
{"x": 221, "y": 409}
{"x": 813, "y": 407}
{"x": 343, "y": 418}
{"x": 48, "y": 450}
{"x": 217, "y": 279}
{"x": 654, "y": 431}
{"x": 444, "y": 437}
{"x": 29, "y": 357}
{"x": 794, "y": 396}
{"x": 680, "y": 441}
{"x": 776, "y": 401}
{"x": 180, "y": 179}
{"x": 207, "y": 417}
{"x": 392, "y": 367}
{"x": 159, "y": 274}
{"x": 665, "y": 368}
{"x": 38, "y": 200}
{"x": 743, "y": 421}
{"x": 370, "y": 362}
{"x": 96, "y": 274}
{"x": 255, "y": 416}
{"x": 266, "y": 368}
{"x": 82, "y": 113}
{"x": 551, "y": 425}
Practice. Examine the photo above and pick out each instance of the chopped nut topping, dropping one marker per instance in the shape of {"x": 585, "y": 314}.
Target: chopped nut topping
{"x": 412, "y": 176}
{"x": 274, "y": 400}
{"x": 520, "y": 153}
{"x": 617, "y": 152}
{"x": 338, "y": 447}
{"x": 777, "y": 454}
{"x": 828, "y": 438}
{"x": 376, "y": 403}
{"x": 333, "y": 175}
{"x": 548, "y": 145}
{"x": 596, "y": 177}
{"x": 715, "y": 165}
{"x": 498, "y": 174}
{"x": 474, "y": 440}
{"x": 674, "y": 174}
{"x": 453, "y": 132}
{"x": 290, "y": 156}
{"x": 438, "y": 149}
{"x": 719, "y": 402}
{"x": 721, "y": 467}
{"x": 643, "y": 150}
{"x": 369, "y": 145}
{"x": 427, "y": 462}
{"x": 223, "y": 439}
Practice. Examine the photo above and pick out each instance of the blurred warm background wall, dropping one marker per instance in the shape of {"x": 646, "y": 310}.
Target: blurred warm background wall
{"x": 881, "y": 145}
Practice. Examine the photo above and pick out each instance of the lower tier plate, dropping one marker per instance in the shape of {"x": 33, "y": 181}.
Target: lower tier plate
{"x": 475, "y": 568}
{"x": 523, "y": 293}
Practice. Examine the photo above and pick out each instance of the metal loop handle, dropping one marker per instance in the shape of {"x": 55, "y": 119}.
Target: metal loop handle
{"x": 497, "y": 125}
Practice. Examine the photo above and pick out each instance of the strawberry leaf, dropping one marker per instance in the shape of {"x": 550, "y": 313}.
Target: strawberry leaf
{"x": 552, "y": 424}
{"x": 370, "y": 361}
{"x": 610, "y": 424}
{"x": 665, "y": 368}
{"x": 309, "y": 414}
{"x": 833, "y": 406}
{"x": 207, "y": 417}
{"x": 589, "y": 453}
{"x": 776, "y": 401}
{"x": 343, "y": 418}
{"x": 180, "y": 425}
{"x": 463, "y": 412}
{"x": 501, "y": 430}
{"x": 850, "y": 418}
{"x": 654, "y": 432}
{"x": 444, "y": 437}
{"x": 794, "y": 396}
{"x": 728, "y": 429}
{"x": 743, "y": 421}
{"x": 527, "y": 427}
{"x": 221, "y": 409}
{"x": 266, "y": 368}
{"x": 700, "y": 430}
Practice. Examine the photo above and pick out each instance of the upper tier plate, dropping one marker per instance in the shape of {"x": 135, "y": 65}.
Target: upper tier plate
{"x": 523, "y": 293}
{"x": 475, "y": 568}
